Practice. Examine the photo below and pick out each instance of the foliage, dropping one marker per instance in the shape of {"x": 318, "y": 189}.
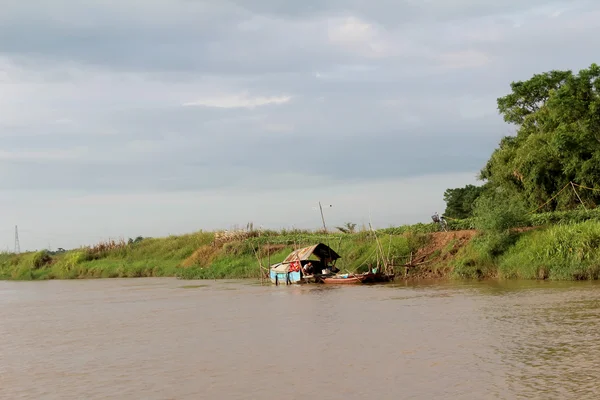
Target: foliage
{"x": 40, "y": 259}
{"x": 348, "y": 227}
{"x": 135, "y": 241}
{"x": 560, "y": 252}
{"x": 564, "y": 217}
{"x": 558, "y": 140}
{"x": 474, "y": 261}
{"x": 496, "y": 212}
{"x": 460, "y": 201}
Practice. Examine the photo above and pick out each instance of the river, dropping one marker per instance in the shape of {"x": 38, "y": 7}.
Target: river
{"x": 154, "y": 338}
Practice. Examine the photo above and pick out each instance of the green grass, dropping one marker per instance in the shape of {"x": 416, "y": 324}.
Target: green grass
{"x": 476, "y": 259}
{"x": 564, "y": 247}
{"x": 562, "y": 252}
{"x": 566, "y": 251}
{"x": 195, "y": 256}
{"x": 238, "y": 260}
{"x": 149, "y": 257}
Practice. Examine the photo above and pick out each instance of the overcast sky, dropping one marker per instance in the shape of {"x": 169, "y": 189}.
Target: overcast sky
{"x": 156, "y": 117}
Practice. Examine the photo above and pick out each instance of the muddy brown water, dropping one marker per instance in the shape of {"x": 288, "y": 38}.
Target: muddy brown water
{"x": 172, "y": 339}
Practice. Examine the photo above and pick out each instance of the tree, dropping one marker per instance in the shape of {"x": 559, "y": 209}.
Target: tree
{"x": 460, "y": 201}
{"x": 528, "y": 97}
{"x": 349, "y": 227}
{"x": 558, "y": 140}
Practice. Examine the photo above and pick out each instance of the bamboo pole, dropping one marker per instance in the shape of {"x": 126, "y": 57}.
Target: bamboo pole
{"x": 389, "y": 249}
{"x": 577, "y": 194}
{"x": 378, "y": 247}
{"x": 325, "y": 229}
{"x": 260, "y": 267}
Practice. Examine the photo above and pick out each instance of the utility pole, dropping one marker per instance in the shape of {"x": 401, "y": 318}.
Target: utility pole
{"x": 17, "y": 244}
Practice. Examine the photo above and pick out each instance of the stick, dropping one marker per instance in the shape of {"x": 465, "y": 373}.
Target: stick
{"x": 577, "y": 194}
{"x": 322, "y": 217}
{"x": 389, "y": 251}
{"x": 260, "y": 267}
{"x": 378, "y": 244}
{"x": 325, "y": 228}
{"x": 262, "y": 277}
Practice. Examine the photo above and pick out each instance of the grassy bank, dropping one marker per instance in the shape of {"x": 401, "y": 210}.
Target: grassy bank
{"x": 562, "y": 247}
{"x": 200, "y": 255}
{"x": 568, "y": 251}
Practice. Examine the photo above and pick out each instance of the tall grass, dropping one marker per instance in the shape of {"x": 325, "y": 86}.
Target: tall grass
{"x": 239, "y": 259}
{"x": 148, "y": 257}
{"x": 478, "y": 259}
{"x": 199, "y": 255}
{"x": 561, "y": 252}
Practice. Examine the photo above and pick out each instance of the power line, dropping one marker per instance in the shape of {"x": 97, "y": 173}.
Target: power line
{"x": 17, "y": 244}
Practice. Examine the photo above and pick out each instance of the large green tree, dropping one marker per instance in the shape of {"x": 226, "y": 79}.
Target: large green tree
{"x": 460, "y": 201}
{"x": 557, "y": 115}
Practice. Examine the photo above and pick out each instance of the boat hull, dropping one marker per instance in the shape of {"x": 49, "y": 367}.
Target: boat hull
{"x": 378, "y": 277}
{"x": 334, "y": 280}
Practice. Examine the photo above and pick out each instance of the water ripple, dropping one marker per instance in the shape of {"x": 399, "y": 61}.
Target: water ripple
{"x": 158, "y": 339}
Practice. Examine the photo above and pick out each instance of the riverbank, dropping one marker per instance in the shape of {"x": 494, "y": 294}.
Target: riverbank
{"x": 565, "y": 251}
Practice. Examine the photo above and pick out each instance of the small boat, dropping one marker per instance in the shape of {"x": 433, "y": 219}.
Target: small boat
{"x": 298, "y": 267}
{"x": 345, "y": 279}
{"x": 375, "y": 276}
{"x": 366, "y": 277}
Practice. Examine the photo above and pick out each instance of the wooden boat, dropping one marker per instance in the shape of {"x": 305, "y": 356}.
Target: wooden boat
{"x": 346, "y": 279}
{"x": 293, "y": 269}
{"x": 377, "y": 277}
{"x": 367, "y": 277}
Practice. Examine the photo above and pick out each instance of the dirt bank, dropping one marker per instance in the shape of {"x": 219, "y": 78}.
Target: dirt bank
{"x": 433, "y": 259}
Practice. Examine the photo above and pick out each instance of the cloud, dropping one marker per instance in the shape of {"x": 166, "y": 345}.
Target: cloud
{"x": 43, "y": 155}
{"x": 241, "y": 102}
{"x": 238, "y": 101}
{"x": 358, "y": 36}
{"x": 464, "y": 59}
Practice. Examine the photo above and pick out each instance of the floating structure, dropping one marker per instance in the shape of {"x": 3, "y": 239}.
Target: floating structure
{"x": 308, "y": 264}
{"x": 316, "y": 264}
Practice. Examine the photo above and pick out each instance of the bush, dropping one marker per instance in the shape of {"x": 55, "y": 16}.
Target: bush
{"x": 562, "y": 252}
{"x": 497, "y": 213}
{"x": 40, "y": 259}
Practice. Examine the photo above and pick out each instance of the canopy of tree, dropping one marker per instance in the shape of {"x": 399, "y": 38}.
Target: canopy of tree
{"x": 461, "y": 201}
{"x": 557, "y": 115}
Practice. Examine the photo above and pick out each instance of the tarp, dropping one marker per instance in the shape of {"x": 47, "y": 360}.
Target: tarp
{"x": 320, "y": 250}
{"x": 281, "y": 268}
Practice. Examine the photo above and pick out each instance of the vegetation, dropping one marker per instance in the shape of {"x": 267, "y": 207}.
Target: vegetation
{"x": 557, "y": 115}
{"x": 348, "y": 227}
{"x": 564, "y": 246}
{"x": 547, "y": 175}
{"x": 562, "y": 252}
{"x": 203, "y": 255}
{"x": 460, "y": 202}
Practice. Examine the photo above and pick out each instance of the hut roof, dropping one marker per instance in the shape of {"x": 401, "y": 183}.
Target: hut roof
{"x": 320, "y": 250}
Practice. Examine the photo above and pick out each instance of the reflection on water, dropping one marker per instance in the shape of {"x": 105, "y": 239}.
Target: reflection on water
{"x": 170, "y": 339}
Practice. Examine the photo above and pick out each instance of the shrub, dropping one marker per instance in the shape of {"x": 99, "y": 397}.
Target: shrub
{"x": 40, "y": 259}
